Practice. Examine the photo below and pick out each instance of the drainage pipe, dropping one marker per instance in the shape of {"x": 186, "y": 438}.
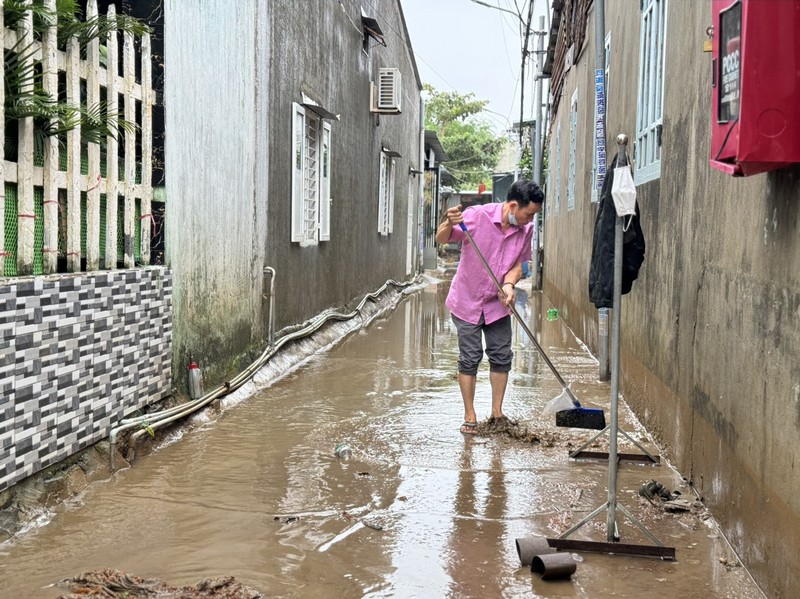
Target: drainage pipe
{"x": 149, "y": 422}
{"x": 271, "y": 323}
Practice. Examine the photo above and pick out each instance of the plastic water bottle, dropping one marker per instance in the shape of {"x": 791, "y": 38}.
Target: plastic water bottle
{"x": 343, "y": 452}
{"x": 195, "y": 381}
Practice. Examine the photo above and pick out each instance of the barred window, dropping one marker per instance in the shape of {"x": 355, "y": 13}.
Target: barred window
{"x": 557, "y": 161}
{"x": 386, "y": 194}
{"x": 651, "y": 90}
{"x": 311, "y": 137}
{"x": 573, "y": 149}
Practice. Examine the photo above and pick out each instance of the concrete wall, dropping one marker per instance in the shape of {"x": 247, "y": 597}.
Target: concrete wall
{"x": 710, "y": 334}
{"x": 233, "y": 72}
{"x": 216, "y": 144}
{"x": 77, "y": 353}
{"x": 318, "y": 51}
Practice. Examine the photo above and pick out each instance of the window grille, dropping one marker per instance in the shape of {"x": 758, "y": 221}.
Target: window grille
{"x": 311, "y": 142}
{"x": 386, "y": 195}
{"x": 557, "y": 160}
{"x": 651, "y": 87}
{"x": 573, "y": 143}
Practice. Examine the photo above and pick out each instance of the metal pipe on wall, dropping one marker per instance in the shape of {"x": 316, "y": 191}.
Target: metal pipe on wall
{"x": 537, "y": 148}
{"x": 271, "y": 321}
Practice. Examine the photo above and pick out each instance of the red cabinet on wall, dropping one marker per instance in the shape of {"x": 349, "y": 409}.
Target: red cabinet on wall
{"x": 756, "y": 85}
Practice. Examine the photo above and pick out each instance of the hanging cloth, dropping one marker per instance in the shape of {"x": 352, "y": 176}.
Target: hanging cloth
{"x": 601, "y": 267}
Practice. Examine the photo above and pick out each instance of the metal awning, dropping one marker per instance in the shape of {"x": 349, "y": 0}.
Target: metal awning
{"x": 391, "y": 153}
{"x": 319, "y": 110}
{"x": 372, "y": 29}
{"x": 432, "y": 140}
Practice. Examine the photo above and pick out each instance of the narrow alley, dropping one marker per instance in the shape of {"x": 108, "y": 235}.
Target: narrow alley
{"x": 256, "y": 491}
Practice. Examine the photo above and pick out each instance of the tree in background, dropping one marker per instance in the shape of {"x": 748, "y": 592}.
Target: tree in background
{"x": 470, "y": 144}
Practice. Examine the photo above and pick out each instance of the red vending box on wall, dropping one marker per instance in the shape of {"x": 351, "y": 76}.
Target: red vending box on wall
{"x": 755, "y": 103}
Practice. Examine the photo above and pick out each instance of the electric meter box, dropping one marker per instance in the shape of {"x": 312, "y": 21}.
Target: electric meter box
{"x": 755, "y": 103}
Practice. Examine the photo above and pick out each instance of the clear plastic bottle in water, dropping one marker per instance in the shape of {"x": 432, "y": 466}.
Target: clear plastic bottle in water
{"x": 343, "y": 452}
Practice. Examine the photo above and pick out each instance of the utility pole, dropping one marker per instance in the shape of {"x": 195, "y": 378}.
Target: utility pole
{"x": 536, "y": 174}
{"x": 522, "y": 74}
{"x": 537, "y": 105}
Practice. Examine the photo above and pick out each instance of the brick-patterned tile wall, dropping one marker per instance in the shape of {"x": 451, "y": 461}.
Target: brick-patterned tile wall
{"x": 77, "y": 353}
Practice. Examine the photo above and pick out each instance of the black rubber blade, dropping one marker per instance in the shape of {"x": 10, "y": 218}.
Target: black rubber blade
{"x": 593, "y": 418}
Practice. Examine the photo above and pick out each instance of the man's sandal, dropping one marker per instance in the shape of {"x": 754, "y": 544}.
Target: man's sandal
{"x": 469, "y": 428}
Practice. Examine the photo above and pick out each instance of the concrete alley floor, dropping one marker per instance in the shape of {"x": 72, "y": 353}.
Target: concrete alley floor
{"x": 256, "y": 492}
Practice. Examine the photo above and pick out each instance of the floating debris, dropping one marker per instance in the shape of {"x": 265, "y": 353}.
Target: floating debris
{"x": 113, "y": 583}
{"x": 677, "y": 505}
{"x": 372, "y": 524}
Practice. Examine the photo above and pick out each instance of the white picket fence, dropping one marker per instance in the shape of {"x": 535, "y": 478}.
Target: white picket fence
{"x": 119, "y": 188}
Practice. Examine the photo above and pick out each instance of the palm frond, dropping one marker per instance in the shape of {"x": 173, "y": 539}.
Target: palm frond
{"x": 97, "y": 123}
{"x": 98, "y": 27}
{"x": 20, "y": 70}
{"x": 24, "y": 93}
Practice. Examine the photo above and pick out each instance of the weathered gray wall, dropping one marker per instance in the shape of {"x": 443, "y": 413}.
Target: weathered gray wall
{"x": 710, "y": 332}
{"x": 233, "y": 71}
{"x": 216, "y": 196}
{"x": 319, "y": 52}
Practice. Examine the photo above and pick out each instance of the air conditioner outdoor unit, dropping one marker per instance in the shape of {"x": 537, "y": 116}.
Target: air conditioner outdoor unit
{"x": 386, "y": 98}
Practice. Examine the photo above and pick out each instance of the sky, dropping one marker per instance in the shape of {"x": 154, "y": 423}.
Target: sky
{"x": 466, "y": 47}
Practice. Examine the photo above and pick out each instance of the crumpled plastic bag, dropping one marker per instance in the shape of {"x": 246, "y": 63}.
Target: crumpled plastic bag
{"x": 559, "y": 403}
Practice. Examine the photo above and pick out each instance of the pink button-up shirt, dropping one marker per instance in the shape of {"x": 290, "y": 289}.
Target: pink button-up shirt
{"x": 472, "y": 291}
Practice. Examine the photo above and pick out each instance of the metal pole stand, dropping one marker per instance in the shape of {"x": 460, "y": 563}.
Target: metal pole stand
{"x": 581, "y": 452}
{"x": 610, "y": 506}
{"x": 645, "y": 457}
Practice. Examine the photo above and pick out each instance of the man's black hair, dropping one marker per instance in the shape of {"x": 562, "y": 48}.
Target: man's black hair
{"x": 525, "y": 191}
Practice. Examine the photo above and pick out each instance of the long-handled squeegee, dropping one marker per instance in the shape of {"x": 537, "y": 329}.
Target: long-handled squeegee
{"x": 577, "y": 417}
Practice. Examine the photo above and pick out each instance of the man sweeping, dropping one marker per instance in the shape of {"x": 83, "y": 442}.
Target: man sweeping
{"x": 503, "y": 233}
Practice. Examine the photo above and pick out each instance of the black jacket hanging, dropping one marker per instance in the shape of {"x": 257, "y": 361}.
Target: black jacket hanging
{"x": 601, "y": 269}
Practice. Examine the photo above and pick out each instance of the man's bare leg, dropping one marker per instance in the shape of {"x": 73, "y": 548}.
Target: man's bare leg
{"x": 466, "y": 383}
{"x": 498, "y": 381}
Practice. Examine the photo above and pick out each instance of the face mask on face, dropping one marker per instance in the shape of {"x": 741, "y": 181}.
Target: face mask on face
{"x": 512, "y": 220}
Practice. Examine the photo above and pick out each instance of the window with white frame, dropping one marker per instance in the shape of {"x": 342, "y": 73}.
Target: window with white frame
{"x": 573, "y": 149}
{"x": 311, "y": 183}
{"x": 386, "y": 194}
{"x": 557, "y": 161}
{"x": 649, "y": 104}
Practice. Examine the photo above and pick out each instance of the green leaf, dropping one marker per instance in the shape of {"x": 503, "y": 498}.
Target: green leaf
{"x": 469, "y": 142}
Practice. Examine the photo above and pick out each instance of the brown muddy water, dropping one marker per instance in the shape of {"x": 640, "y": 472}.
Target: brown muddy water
{"x": 256, "y": 492}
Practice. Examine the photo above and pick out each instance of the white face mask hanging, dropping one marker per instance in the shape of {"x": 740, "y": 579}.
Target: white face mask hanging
{"x": 623, "y": 191}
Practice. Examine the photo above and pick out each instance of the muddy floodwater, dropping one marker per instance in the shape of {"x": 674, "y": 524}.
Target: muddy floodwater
{"x": 256, "y": 491}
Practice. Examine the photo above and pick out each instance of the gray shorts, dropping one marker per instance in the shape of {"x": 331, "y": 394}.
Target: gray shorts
{"x": 470, "y": 345}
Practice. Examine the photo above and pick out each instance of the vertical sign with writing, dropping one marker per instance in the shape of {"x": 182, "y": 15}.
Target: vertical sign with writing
{"x": 600, "y": 127}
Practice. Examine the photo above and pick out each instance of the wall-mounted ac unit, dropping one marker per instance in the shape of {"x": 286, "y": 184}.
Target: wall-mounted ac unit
{"x": 386, "y": 94}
